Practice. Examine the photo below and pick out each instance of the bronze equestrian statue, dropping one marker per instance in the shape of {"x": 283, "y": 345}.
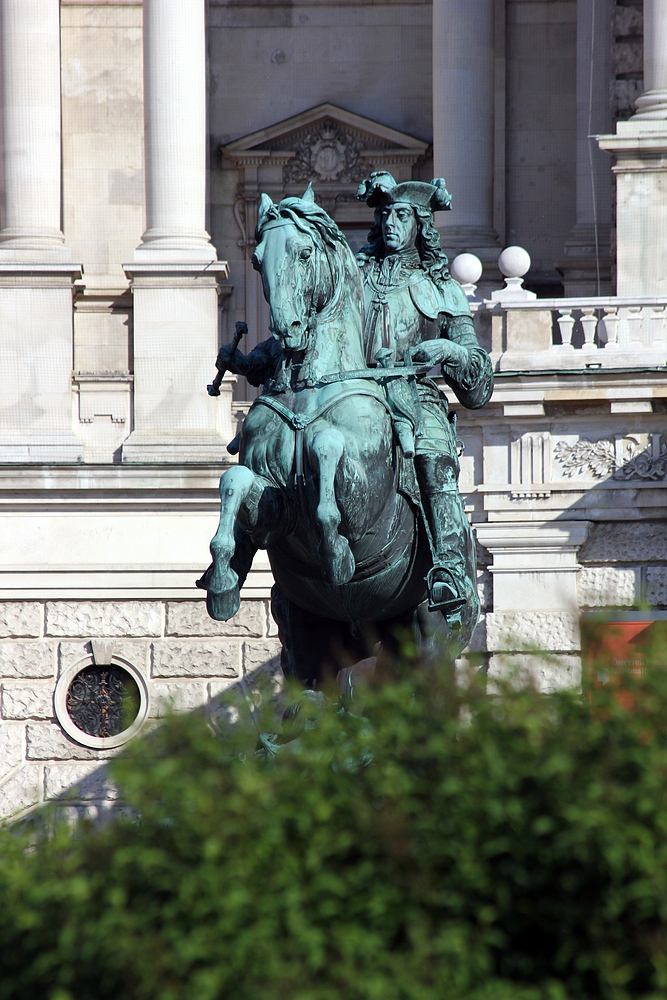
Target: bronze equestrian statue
{"x": 348, "y": 462}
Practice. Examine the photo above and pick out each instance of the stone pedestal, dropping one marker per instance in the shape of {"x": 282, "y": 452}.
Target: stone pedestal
{"x": 534, "y": 565}
{"x": 175, "y": 346}
{"x": 640, "y": 150}
{"x": 36, "y": 363}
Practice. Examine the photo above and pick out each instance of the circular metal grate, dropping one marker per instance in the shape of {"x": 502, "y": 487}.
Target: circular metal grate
{"x": 103, "y": 701}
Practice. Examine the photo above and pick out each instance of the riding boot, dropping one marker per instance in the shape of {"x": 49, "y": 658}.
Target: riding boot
{"x": 449, "y": 580}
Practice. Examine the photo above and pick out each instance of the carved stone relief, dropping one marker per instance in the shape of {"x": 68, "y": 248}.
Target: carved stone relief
{"x": 327, "y": 152}
{"x": 623, "y": 457}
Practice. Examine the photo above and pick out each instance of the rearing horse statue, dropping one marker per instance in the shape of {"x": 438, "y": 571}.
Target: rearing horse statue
{"x": 322, "y": 483}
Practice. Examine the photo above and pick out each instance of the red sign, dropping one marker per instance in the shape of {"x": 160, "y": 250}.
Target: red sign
{"x": 627, "y": 643}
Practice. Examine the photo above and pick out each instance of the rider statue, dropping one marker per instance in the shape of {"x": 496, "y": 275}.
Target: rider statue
{"x": 416, "y": 315}
{"x": 416, "y": 312}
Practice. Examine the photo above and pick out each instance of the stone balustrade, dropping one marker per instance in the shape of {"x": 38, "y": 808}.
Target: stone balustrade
{"x": 574, "y": 333}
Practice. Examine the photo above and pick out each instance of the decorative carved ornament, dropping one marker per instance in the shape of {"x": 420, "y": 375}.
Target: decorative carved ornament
{"x": 622, "y": 458}
{"x": 327, "y": 152}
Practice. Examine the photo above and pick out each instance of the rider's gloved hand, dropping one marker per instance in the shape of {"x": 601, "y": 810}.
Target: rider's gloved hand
{"x": 444, "y": 352}
{"x": 231, "y": 359}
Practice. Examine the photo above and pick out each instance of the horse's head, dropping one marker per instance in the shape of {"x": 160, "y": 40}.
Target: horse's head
{"x": 296, "y": 244}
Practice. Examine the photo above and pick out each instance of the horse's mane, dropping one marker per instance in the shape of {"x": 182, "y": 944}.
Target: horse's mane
{"x": 306, "y": 216}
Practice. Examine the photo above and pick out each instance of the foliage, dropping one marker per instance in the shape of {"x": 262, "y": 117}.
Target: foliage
{"x": 511, "y": 847}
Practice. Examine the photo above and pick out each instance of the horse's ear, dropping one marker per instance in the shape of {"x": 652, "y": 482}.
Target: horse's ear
{"x": 264, "y": 205}
{"x": 309, "y": 195}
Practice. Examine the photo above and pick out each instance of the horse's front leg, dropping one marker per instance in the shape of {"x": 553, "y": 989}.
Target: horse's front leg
{"x": 336, "y": 557}
{"x": 232, "y": 550}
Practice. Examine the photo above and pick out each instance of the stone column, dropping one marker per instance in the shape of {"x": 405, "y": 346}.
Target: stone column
{"x": 36, "y": 278}
{"x": 175, "y": 132}
{"x": 175, "y": 273}
{"x": 640, "y": 150}
{"x": 463, "y": 122}
{"x": 30, "y": 81}
{"x": 652, "y": 105}
{"x": 586, "y": 265}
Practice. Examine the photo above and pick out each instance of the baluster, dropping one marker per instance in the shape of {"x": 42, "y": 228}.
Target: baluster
{"x": 610, "y": 321}
{"x": 657, "y": 321}
{"x": 565, "y": 324}
{"x": 635, "y": 322}
{"x": 589, "y": 321}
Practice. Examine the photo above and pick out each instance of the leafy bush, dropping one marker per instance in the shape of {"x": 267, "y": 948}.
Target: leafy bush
{"x": 504, "y": 848}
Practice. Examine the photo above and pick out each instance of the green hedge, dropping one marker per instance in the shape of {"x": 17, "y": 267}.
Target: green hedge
{"x": 496, "y": 848}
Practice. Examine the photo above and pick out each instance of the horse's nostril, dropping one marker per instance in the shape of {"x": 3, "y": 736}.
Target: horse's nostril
{"x": 296, "y": 325}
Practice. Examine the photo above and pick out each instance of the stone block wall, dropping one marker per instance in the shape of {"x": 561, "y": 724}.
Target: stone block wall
{"x": 624, "y": 563}
{"x": 186, "y": 659}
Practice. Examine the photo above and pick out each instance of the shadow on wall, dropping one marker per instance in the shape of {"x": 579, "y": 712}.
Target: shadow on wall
{"x": 84, "y": 789}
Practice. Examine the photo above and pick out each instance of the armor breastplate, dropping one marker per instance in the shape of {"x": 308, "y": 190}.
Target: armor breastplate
{"x": 393, "y": 319}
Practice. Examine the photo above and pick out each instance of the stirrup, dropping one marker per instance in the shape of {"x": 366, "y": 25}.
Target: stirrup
{"x": 443, "y": 596}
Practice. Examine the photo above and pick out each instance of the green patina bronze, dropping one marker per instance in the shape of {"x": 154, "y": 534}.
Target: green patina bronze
{"x": 348, "y": 466}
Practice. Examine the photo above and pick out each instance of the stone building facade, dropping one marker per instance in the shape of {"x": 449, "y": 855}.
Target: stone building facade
{"x": 132, "y": 166}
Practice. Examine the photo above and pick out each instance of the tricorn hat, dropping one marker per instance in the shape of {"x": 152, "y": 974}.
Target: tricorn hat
{"x": 381, "y": 189}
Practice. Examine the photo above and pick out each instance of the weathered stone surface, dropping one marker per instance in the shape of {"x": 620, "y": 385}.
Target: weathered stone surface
{"x": 532, "y": 630}
{"x": 227, "y": 703}
{"x": 78, "y": 781}
{"x": 49, "y": 742}
{"x": 485, "y": 588}
{"x": 20, "y": 791}
{"x": 478, "y": 642}
{"x": 221, "y": 689}
{"x": 272, "y": 627}
{"x": 12, "y": 738}
{"x": 626, "y": 542}
{"x": 624, "y": 93}
{"x": 133, "y": 650}
{"x": 93, "y": 812}
{"x": 190, "y": 618}
{"x": 186, "y": 696}
{"x": 627, "y": 21}
{"x": 208, "y": 658}
{"x": 546, "y": 673}
{"x": 656, "y": 586}
{"x": 626, "y": 57}
{"x": 21, "y": 619}
{"x": 102, "y": 618}
{"x": 21, "y": 702}
{"x": 262, "y": 655}
{"x": 27, "y": 659}
{"x": 608, "y": 586}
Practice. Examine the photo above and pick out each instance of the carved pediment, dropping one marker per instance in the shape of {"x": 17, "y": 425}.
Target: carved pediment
{"x": 330, "y": 147}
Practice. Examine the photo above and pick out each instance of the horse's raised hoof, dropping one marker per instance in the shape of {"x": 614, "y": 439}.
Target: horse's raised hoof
{"x": 224, "y": 606}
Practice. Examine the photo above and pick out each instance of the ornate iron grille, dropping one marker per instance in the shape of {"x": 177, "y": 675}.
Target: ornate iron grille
{"x": 103, "y": 701}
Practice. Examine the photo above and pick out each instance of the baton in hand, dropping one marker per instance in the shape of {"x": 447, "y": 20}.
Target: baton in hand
{"x": 214, "y": 388}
